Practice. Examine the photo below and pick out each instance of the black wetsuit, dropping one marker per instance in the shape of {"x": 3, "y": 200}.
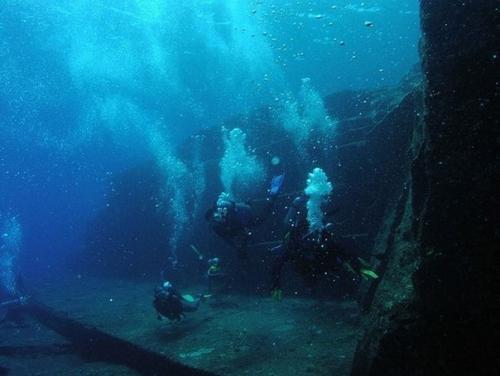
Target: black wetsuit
{"x": 235, "y": 226}
{"x": 170, "y": 304}
{"x": 312, "y": 254}
{"x": 239, "y": 217}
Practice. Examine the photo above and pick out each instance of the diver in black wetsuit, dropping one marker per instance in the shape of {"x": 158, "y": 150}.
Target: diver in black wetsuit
{"x": 312, "y": 254}
{"x": 232, "y": 221}
{"x": 169, "y": 303}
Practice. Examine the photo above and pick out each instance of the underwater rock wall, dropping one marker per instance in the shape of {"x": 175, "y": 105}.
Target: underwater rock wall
{"x": 432, "y": 311}
{"x": 363, "y": 160}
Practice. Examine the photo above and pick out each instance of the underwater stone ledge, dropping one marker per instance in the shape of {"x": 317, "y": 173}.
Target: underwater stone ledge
{"x": 437, "y": 318}
{"x": 94, "y": 345}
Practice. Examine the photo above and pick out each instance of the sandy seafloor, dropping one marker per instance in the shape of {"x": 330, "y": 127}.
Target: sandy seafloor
{"x": 229, "y": 335}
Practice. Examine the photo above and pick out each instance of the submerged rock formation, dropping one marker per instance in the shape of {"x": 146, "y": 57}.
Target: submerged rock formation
{"x": 433, "y": 312}
{"x": 373, "y": 133}
{"x": 363, "y": 160}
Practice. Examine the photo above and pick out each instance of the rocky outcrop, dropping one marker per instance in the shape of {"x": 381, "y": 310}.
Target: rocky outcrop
{"x": 432, "y": 312}
{"x": 374, "y": 131}
{"x": 95, "y": 345}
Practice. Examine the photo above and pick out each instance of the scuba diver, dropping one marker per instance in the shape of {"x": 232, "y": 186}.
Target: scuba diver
{"x": 211, "y": 270}
{"x": 312, "y": 253}
{"x": 169, "y": 303}
{"x": 215, "y": 276}
{"x": 232, "y": 221}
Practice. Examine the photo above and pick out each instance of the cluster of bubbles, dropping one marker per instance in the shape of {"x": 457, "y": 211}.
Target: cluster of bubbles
{"x": 240, "y": 170}
{"x": 143, "y": 99}
{"x": 175, "y": 176}
{"x": 317, "y": 190}
{"x": 198, "y": 173}
{"x": 305, "y": 116}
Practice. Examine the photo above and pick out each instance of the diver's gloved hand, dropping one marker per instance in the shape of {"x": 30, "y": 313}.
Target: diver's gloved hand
{"x": 277, "y": 294}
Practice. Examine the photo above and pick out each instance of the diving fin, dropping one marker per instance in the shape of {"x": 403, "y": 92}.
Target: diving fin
{"x": 367, "y": 273}
{"x": 188, "y": 297}
{"x": 276, "y": 184}
{"x": 277, "y": 294}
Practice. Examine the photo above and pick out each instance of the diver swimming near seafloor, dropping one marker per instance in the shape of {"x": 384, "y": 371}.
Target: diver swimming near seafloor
{"x": 233, "y": 221}
{"x": 169, "y": 303}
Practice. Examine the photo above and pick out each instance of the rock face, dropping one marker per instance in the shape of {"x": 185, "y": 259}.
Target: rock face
{"x": 374, "y": 131}
{"x": 434, "y": 310}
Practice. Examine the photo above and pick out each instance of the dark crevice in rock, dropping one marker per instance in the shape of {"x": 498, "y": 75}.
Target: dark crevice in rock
{"x": 388, "y": 249}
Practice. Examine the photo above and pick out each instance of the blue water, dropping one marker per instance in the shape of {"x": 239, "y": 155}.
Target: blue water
{"x": 89, "y": 89}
